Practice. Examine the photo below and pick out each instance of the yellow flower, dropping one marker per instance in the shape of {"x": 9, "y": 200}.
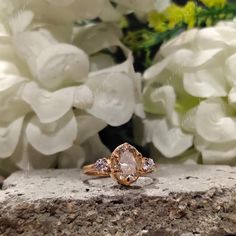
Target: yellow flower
{"x": 189, "y": 12}
{"x": 214, "y": 3}
{"x": 157, "y": 21}
{"x": 174, "y": 15}
{"x": 186, "y": 14}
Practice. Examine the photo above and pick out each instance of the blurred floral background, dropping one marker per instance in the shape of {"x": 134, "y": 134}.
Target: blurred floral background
{"x": 79, "y": 77}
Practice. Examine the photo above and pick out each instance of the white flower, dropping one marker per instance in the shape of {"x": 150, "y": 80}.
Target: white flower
{"x": 142, "y": 7}
{"x": 52, "y": 63}
{"x": 114, "y": 98}
{"x": 161, "y": 5}
{"x": 59, "y": 11}
{"x": 116, "y": 89}
{"x": 164, "y": 132}
{"x": 170, "y": 140}
{"x": 199, "y": 65}
{"x": 53, "y": 102}
{"x": 139, "y": 5}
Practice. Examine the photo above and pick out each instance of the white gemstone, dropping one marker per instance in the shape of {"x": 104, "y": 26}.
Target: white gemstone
{"x": 102, "y": 165}
{"x": 148, "y": 164}
{"x": 128, "y": 163}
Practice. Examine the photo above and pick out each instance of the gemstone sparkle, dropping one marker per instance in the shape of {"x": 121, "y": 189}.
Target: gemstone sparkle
{"x": 102, "y": 165}
{"x": 128, "y": 163}
{"x": 148, "y": 164}
{"x": 125, "y": 163}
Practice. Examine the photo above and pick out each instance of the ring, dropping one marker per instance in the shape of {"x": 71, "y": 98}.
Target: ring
{"x": 126, "y": 164}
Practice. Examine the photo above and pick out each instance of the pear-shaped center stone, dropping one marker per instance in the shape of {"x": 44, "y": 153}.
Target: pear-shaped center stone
{"x": 128, "y": 163}
{"x": 125, "y": 164}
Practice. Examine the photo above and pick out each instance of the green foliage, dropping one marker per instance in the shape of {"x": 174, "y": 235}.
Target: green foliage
{"x": 144, "y": 39}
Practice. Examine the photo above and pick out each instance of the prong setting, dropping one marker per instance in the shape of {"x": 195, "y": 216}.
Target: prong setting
{"x": 126, "y": 164}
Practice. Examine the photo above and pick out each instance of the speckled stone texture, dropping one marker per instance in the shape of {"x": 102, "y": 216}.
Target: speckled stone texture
{"x": 183, "y": 200}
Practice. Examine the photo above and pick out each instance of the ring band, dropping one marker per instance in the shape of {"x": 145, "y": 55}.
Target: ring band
{"x": 99, "y": 168}
{"x": 126, "y": 164}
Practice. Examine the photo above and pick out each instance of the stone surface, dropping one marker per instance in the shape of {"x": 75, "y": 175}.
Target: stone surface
{"x": 175, "y": 200}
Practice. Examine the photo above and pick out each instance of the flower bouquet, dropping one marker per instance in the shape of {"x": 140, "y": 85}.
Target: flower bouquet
{"x": 71, "y": 70}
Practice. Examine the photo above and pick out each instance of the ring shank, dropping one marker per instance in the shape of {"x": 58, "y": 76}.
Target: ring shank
{"x": 91, "y": 170}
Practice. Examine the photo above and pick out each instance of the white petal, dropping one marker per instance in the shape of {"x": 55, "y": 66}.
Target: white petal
{"x": 9, "y": 136}
{"x": 61, "y": 33}
{"x": 62, "y": 11}
{"x": 8, "y": 81}
{"x": 143, "y": 130}
{"x": 139, "y": 110}
{"x": 227, "y": 32}
{"x": 54, "y": 137}
{"x": 7, "y": 7}
{"x": 157, "y": 68}
{"x": 29, "y": 45}
{"x": 8, "y": 68}
{"x": 184, "y": 40}
{"x": 190, "y": 156}
{"x": 206, "y": 83}
{"x": 170, "y": 141}
{"x": 188, "y": 120}
{"x": 109, "y": 13}
{"x": 88, "y": 9}
{"x": 60, "y": 62}
{"x": 11, "y": 104}
{"x": 94, "y": 149}
{"x": 184, "y": 60}
{"x": 26, "y": 157}
{"x": 189, "y": 59}
{"x": 210, "y": 38}
{"x": 49, "y": 106}
{"x": 226, "y": 23}
{"x": 20, "y": 21}
{"x": 73, "y": 157}
{"x": 62, "y": 3}
{"x": 94, "y": 38}
{"x": 114, "y": 98}
{"x": 161, "y": 5}
{"x": 230, "y": 65}
{"x": 221, "y": 157}
{"x": 216, "y": 153}
{"x": 4, "y": 34}
{"x": 214, "y": 121}
{"x": 9, "y": 60}
{"x": 125, "y": 67}
{"x": 139, "y": 5}
{"x": 160, "y": 100}
{"x": 88, "y": 126}
{"x": 101, "y": 61}
{"x": 83, "y": 97}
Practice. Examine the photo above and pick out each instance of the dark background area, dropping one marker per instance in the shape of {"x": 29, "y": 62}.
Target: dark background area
{"x": 180, "y": 2}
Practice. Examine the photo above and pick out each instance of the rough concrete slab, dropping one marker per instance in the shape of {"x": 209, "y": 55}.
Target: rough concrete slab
{"x": 175, "y": 200}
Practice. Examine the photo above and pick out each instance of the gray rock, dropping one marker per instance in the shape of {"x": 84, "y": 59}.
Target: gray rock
{"x": 175, "y": 200}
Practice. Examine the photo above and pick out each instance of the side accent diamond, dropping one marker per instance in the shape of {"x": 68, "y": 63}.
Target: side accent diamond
{"x": 148, "y": 164}
{"x": 102, "y": 165}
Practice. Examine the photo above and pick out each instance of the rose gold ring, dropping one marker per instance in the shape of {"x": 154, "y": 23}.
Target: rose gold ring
{"x": 126, "y": 164}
